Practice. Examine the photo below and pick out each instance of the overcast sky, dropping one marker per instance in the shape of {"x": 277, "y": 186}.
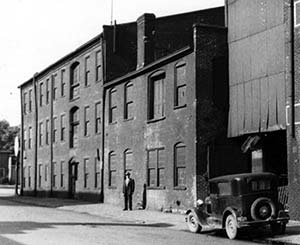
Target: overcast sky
{"x": 36, "y": 33}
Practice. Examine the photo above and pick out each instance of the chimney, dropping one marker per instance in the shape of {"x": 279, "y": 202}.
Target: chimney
{"x": 145, "y": 39}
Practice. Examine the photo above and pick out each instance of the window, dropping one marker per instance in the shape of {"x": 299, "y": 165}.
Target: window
{"x": 46, "y": 172}
{"x": 180, "y": 85}
{"x": 30, "y": 100}
{"x": 112, "y": 170}
{"x": 62, "y": 127}
{"x": 224, "y": 188}
{"x": 128, "y": 101}
{"x": 29, "y": 137}
{"x": 97, "y": 173}
{"x": 74, "y": 81}
{"x": 47, "y": 91}
{"x": 98, "y": 118}
{"x": 74, "y": 127}
{"x": 179, "y": 165}
{"x": 112, "y": 106}
{"x": 87, "y": 71}
{"x": 54, "y": 91}
{"x": 63, "y": 82}
{"x": 156, "y": 170}
{"x": 24, "y": 177}
{"x": 41, "y": 134}
{"x": 98, "y": 66}
{"x": 86, "y": 120}
{"x": 47, "y": 131}
{"x": 54, "y": 174}
{"x": 260, "y": 185}
{"x": 24, "y": 139}
{"x": 29, "y": 176}
{"x": 128, "y": 161}
{"x": 40, "y": 175}
{"x": 85, "y": 172}
{"x": 62, "y": 163}
{"x": 41, "y": 94}
{"x": 297, "y": 13}
{"x": 156, "y": 96}
{"x": 54, "y": 135}
{"x": 25, "y": 102}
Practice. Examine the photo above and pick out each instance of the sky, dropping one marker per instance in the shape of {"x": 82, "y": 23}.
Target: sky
{"x": 36, "y": 33}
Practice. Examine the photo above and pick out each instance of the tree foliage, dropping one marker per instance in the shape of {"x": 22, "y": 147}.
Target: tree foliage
{"x": 7, "y": 135}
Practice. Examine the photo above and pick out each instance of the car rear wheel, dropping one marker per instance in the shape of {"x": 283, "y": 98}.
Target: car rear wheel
{"x": 262, "y": 208}
{"x": 231, "y": 227}
{"x": 278, "y": 228}
{"x": 192, "y": 223}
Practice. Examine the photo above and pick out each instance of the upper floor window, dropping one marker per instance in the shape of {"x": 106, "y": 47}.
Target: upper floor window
{"x": 156, "y": 167}
{"x": 25, "y": 102}
{"x": 24, "y": 139}
{"x": 87, "y": 71}
{"x": 112, "y": 169}
{"x": 47, "y": 131}
{"x": 98, "y": 66}
{"x": 30, "y": 100}
{"x": 54, "y": 174}
{"x": 128, "y": 101}
{"x": 156, "y": 99}
{"x": 180, "y": 85}
{"x": 41, "y": 134}
{"x": 63, "y": 82}
{"x": 62, "y": 127}
{"x": 97, "y": 117}
{"x": 29, "y": 137}
{"x": 74, "y": 127}
{"x": 128, "y": 161}
{"x": 54, "y": 135}
{"x": 74, "y": 81}
{"x": 297, "y": 13}
{"x": 179, "y": 165}
{"x": 47, "y": 90}
{"x": 112, "y": 104}
{"x": 41, "y": 94}
{"x": 86, "y": 120}
{"x": 54, "y": 91}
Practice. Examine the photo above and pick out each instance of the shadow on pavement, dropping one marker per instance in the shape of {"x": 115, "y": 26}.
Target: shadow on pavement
{"x": 20, "y": 227}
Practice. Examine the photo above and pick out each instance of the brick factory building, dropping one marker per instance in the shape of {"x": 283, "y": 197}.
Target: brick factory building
{"x": 143, "y": 97}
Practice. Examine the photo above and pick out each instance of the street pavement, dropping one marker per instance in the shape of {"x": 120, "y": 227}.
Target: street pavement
{"x": 171, "y": 221}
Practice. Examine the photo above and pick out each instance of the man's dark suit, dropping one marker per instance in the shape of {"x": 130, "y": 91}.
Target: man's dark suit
{"x": 128, "y": 191}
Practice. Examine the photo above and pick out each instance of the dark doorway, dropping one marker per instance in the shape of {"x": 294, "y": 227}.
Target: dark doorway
{"x": 73, "y": 174}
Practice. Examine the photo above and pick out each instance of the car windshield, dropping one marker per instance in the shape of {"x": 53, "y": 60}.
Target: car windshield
{"x": 260, "y": 185}
{"x": 224, "y": 188}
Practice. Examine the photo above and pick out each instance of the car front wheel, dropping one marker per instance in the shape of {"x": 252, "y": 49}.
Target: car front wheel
{"x": 231, "y": 227}
{"x": 192, "y": 223}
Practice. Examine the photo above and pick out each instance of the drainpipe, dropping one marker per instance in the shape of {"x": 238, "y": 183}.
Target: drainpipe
{"x": 51, "y": 136}
{"x": 292, "y": 70}
{"x": 21, "y": 159}
{"x": 103, "y": 123}
{"x": 35, "y": 133}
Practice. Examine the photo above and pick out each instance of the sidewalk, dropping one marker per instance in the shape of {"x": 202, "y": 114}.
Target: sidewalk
{"x": 171, "y": 220}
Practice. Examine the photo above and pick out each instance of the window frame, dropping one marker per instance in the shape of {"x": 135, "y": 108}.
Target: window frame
{"x": 98, "y": 118}
{"x": 176, "y": 167}
{"x": 177, "y": 87}
{"x": 127, "y": 101}
{"x": 112, "y": 108}
{"x": 98, "y": 66}
{"x": 74, "y": 124}
{"x": 74, "y": 83}
{"x": 87, "y": 77}
{"x": 62, "y": 83}
{"x": 86, "y": 161}
{"x": 156, "y": 169}
{"x": 111, "y": 170}
{"x": 86, "y": 115}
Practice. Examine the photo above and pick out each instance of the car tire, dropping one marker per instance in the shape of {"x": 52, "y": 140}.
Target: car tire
{"x": 231, "y": 227}
{"x": 278, "y": 228}
{"x": 192, "y": 223}
{"x": 262, "y": 208}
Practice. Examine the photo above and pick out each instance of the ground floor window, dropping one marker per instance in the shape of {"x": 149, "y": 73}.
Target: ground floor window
{"x": 112, "y": 170}
{"x": 156, "y": 167}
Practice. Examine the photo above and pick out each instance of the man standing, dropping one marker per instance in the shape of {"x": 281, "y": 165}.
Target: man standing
{"x": 128, "y": 189}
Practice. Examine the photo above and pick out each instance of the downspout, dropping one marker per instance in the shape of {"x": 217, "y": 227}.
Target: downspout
{"x": 51, "y": 136}
{"x": 35, "y": 133}
{"x": 21, "y": 144}
{"x": 292, "y": 70}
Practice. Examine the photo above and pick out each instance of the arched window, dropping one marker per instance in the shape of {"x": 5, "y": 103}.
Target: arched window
{"x": 156, "y": 95}
{"x": 74, "y": 127}
{"x": 112, "y": 103}
{"x": 180, "y": 85}
{"x": 74, "y": 81}
{"x": 128, "y": 101}
{"x": 128, "y": 161}
{"x": 112, "y": 169}
{"x": 179, "y": 165}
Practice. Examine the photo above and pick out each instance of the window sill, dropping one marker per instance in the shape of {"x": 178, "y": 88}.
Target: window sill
{"x": 156, "y": 187}
{"x": 179, "y": 107}
{"x": 128, "y": 119}
{"x": 112, "y": 123}
{"x": 112, "y": 187}
{"x": 180, "y": 188}
{"x": 87, "y": 86}
{"x": 156, "y": 119}
{"x": 72, "y": 100}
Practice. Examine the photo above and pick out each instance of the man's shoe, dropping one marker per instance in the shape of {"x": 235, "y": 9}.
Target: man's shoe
{"x": 124, "y": 209}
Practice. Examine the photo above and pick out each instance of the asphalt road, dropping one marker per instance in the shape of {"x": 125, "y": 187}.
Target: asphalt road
{"x": 25, "y": 224}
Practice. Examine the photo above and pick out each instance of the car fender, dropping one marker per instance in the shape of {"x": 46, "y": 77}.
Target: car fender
{"x": 200, "y": 215}
{"x": 226, "y": 212}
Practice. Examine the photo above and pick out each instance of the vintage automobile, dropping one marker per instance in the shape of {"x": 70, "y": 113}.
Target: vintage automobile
{"x": 237, "y": 201}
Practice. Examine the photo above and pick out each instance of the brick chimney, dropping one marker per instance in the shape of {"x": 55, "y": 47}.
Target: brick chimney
{"x": 145, "y": 39}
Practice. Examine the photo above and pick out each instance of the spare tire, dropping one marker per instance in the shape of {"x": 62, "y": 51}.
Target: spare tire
{"x": 262, "y": 209}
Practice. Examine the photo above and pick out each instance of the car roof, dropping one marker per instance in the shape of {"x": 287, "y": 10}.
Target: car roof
{"x": 226, "y": 178}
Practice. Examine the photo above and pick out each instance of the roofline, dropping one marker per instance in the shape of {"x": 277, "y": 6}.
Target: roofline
{"x": 84, "y": 46}
{"x": 151, "y": 66}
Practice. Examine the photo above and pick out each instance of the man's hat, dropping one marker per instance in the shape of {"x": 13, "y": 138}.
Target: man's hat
{"x": 127, "y": 173}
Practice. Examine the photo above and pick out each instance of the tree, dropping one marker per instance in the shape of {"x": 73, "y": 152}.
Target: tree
{"x": 7, "y": 135}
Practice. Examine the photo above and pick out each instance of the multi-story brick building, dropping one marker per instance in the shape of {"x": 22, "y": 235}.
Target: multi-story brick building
{"x": 142, "y": 97}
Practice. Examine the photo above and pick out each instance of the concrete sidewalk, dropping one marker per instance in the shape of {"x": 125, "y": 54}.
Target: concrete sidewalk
{"x": 171, "y": 220}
